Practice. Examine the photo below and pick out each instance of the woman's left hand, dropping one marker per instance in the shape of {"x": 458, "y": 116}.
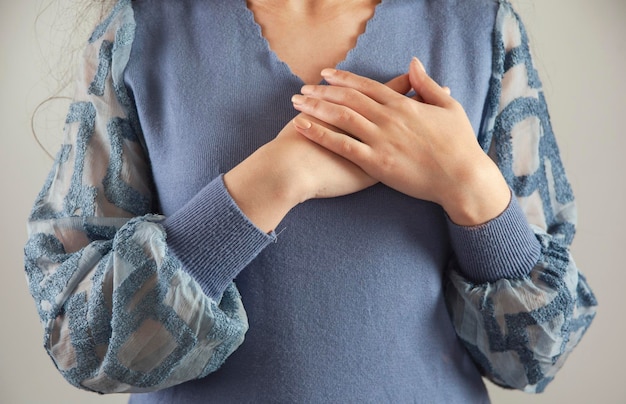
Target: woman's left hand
{"x": 424, "y": 146}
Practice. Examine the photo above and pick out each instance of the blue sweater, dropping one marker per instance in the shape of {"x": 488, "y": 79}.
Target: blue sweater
{"x": 135, "y": 242}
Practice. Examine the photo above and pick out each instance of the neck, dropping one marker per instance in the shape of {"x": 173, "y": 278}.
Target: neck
{"x": 307, "y": 7}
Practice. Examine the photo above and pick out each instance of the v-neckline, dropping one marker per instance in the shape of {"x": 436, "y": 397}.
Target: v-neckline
{"x": 257, "y": 33}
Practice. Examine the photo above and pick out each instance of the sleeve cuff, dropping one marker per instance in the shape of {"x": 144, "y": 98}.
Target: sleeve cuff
{"x": 213, "y": 238}
{"x": 504, "y": 247}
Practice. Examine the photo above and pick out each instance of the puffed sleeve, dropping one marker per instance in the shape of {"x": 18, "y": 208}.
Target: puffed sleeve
{"x": 119, "y": 311}
{"x": 516, "y": 297}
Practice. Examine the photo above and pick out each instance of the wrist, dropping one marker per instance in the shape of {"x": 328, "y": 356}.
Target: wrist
{"x": 480, "y": 195}
{"x": 262, "y": 190}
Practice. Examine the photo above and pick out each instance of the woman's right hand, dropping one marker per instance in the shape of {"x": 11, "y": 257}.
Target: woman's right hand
{"x": 292, "y": 169}
{"x": 287, "y": 171}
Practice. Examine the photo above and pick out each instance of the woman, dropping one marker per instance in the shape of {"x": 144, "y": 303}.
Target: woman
{"x": 218, "y": 176}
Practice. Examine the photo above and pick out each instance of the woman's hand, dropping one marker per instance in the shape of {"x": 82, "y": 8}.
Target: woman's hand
{"x": 314, "y": 171}
{"x": 290, "y": 170}
{"x": 424, "y": 146}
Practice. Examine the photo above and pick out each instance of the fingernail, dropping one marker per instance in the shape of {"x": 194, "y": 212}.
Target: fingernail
{"x": 419, "y": 63}
{"x": 328, "y": 72}
{"x": 297, "y": 99}
{"x": 301, "y": 123}
{"x": 308, "y": 89}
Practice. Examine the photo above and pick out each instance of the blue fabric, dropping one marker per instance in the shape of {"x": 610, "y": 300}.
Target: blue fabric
{"x": 343, "y": 305}
{"x": 134, "y": 241}
{"x": 119, "y": 313}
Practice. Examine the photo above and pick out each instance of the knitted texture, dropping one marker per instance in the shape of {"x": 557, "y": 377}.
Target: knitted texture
{"x": 134, "y": 242}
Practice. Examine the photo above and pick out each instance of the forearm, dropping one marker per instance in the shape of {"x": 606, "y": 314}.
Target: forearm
{"x": 261, "y": 189}
{"x": 287, "y": 171}
{"x": 480, "y": 194}
{"x": 213, "y": 238}
{"x": 520, "y": 325}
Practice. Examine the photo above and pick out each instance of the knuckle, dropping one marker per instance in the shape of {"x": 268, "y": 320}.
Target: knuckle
{"x": 345, "y": 147}
{"x": 345, "y": 95}
{"x": 365, "y": 84}
{"x": 387, "y": 162}
{"x": 322, "y": 91}
{"x": 314, "y": 103}
{"x": 345, "y": 116}
{"x": 342, "y": 74}
{"x": 402, "y": 104}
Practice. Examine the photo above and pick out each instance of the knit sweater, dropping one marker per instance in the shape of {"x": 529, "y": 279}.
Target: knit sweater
{"x": 147, "y": 275}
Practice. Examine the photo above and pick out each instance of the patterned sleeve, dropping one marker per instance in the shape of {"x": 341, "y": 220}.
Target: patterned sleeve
{"x": 520, "y": 329}
{"x": 119, "y": 313}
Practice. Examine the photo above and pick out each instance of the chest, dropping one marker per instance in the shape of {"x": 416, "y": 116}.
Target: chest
{"x": 309, "y": 40}
{"x": 211, "y": 91}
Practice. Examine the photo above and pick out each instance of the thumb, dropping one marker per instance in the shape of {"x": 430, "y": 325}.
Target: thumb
{"x": 400, "y": 84}
{"x": 425, "y": 87}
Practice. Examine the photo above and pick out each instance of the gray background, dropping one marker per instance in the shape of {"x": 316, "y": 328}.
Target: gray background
{"x": 579, "y": 46}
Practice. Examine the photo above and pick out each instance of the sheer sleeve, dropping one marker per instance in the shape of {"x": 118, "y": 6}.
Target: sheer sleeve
{"x": 119, "y": 312}
{"x": 520, "y": 326}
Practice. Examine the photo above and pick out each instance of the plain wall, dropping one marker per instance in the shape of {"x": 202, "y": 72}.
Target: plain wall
{"x": 579, "y": 46}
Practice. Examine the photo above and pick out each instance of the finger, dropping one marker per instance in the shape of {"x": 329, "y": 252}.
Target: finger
{"x": 348, "y": 97}
{"x": 339, "y": 116}
{"x": 430, "y": 92}
{"x": 413, "y": 95}
{"x": 400, "y": 84}
{"x": 341, "y": 144}
{"x": 371, "y": 88}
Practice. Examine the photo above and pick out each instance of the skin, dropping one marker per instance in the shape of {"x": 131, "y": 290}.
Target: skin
{"x": 356, "y": 132}
{"x": 310, "y": 35}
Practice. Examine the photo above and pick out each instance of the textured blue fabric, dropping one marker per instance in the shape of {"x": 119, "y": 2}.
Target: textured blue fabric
{"x": 347, "y": 303}
{"x": 533, "y": 322}
{"x": 119, "y": 313}
{"x": 342, "y": 306}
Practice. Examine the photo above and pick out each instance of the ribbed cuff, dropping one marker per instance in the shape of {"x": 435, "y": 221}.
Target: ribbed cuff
{"x": 504, "y": 247}
{"x": 213, "y": 238}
